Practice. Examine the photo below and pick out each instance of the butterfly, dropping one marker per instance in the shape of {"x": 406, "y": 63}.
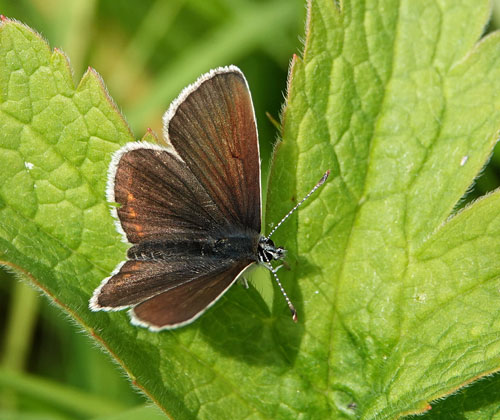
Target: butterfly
{"x": 190, "y": 208}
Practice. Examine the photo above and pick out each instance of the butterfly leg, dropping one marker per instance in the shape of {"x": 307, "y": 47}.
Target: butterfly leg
{"x": 275, "y": 269}
{"x": 244, "y": 282}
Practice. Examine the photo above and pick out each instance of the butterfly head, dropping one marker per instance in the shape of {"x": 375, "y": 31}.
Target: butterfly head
{"x": 268, "y": 252}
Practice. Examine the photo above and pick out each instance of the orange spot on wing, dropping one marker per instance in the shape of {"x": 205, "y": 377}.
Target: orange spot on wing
{"x": 138, "y": 229}
{"x": 132, "y": 214}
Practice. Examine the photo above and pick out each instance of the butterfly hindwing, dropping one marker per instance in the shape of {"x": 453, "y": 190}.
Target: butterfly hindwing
{"x": 135, "y": 281}
{"x": 185, "y": 303}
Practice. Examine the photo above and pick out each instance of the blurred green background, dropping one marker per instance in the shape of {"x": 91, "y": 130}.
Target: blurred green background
{"x": 146, "y": 51}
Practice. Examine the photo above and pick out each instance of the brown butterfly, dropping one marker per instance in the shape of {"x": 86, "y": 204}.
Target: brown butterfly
{"x": 191, "y": 209}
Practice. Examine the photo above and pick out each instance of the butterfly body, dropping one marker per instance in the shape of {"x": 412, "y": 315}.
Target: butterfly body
{"x": 233, "y": 246}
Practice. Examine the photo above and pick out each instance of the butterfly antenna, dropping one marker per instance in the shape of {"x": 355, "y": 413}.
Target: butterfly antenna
{"x": 319, "y": 184}
{"x": 288, "y": 301}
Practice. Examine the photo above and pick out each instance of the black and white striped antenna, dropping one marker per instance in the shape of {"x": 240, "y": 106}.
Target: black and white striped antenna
{"x": 319, "y": 184}
{"x": 268, "y": 264}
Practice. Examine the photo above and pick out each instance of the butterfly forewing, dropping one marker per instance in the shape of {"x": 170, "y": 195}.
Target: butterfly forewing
{"x": 159, "y": 196}
{"x": 213, "y": 129}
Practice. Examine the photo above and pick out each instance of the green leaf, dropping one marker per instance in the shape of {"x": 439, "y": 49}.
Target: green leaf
{"x": 397, "y": 302}
{"x": 400, "y": 302}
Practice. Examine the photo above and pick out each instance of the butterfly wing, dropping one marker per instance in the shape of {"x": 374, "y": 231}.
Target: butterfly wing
{"x": 212, "y": 127}
{"x": 136, "y": 281}
{"x": 183, "y": 304}
{"x": 158, "y": 195}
